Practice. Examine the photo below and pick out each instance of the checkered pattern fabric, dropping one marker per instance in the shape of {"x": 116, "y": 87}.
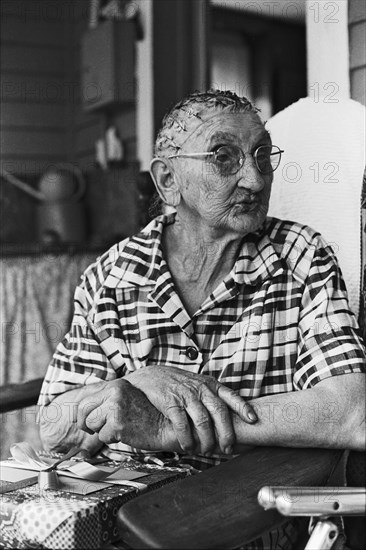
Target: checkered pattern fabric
{"x": 279, "y": 322}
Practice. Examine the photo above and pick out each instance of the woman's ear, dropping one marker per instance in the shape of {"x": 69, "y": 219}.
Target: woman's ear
{"x": 164, "y": 181}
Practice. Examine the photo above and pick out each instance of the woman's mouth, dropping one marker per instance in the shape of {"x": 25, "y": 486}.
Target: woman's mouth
{"x": 248, "y": 205}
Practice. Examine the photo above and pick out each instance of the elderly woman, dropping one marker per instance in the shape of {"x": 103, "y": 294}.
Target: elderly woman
{"x": 215, "y": 327}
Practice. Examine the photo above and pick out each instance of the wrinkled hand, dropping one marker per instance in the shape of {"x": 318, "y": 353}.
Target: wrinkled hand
{"x": 118, "y": 411}
{"x": 196, "y": 405}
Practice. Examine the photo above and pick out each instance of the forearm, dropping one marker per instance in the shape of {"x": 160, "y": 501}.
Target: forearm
{"x": 317, "y": 417}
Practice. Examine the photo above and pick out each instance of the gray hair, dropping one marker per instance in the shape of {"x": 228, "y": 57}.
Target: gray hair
{"x": 182, "y": 115}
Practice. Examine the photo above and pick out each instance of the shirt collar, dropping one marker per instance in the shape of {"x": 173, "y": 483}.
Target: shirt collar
{"x": 139, "y": 260}
{"x": 257, "y": 260}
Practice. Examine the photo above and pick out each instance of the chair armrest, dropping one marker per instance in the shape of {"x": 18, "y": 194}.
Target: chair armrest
{"x": 19, "y": 396}
{"x": 218, "y": 508}
{"x": 356, "y": 477}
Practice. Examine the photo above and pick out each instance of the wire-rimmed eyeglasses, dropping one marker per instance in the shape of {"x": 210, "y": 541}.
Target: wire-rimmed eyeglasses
{"x": 228, "y": 159}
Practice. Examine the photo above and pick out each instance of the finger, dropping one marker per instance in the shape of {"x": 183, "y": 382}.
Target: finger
{"x": 85, "y": 454}
{"x": 178, "y": 417}
{"x": 238, "y": 404}
{"x": 221, "y": 419}
{"x": 88, "y": 415}
{"x": 107, "y": 434}
{"x": 202, "y": 424}
{"x": 82, "y": 413}
{"x": 95, "y": 420}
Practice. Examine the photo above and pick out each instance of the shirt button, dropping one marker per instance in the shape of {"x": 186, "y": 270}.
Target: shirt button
{"x": 191, "y": 353}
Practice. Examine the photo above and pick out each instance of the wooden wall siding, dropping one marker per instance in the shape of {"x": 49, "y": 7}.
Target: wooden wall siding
{"x": 86, "y": 127}
{"x": 357, "y": 40}
{"x": 34, "y": 92}
{"x": 90, "y": 126}
{"x": 42, "y": 120}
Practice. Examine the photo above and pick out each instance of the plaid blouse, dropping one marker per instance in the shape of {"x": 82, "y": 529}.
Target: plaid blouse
{"x": 279, "y": 322}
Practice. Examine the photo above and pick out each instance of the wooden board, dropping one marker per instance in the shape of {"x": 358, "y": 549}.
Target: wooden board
{"x": 218, "y": 508}
{"x": 19, "y": 396}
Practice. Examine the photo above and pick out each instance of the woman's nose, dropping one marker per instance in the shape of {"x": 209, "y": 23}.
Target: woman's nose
{"x": 249, "y": 176}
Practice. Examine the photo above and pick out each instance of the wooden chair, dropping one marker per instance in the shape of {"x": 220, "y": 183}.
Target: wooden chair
{"x": 219, "y": 508}
{"x": 19, "y": 396}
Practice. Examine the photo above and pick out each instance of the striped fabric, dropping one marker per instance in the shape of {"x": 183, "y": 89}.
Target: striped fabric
{"x": 279, "y": 322}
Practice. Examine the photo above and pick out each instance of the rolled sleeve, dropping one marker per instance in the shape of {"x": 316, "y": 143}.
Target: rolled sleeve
{"x": 328, "y": 334}
{"x": 79, "y": 359}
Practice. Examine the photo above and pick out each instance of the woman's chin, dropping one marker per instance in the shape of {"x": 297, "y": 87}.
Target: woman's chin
{"x": 249, "y": 221}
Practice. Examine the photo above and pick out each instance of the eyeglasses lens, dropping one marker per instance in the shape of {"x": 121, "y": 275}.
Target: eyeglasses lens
{"x": 229, "y": 159}
{"x": 263, "y": 159}
{"x": 267, "y": 158}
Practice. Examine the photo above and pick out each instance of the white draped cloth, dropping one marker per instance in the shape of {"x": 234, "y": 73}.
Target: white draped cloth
{"x": 319, "y": 180}
{"x": 36, "y": 305}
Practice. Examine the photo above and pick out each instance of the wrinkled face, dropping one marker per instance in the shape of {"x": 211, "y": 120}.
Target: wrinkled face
{"x": 228, "y": 202}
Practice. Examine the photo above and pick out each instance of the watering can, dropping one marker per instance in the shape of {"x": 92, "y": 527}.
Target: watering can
{"x": 60, "y": 213}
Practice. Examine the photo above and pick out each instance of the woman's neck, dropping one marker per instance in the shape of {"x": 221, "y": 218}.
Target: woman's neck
{"x": 199, "y": 254}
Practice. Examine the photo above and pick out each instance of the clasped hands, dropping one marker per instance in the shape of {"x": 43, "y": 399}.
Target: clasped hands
{"x": 164, "y": 408}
